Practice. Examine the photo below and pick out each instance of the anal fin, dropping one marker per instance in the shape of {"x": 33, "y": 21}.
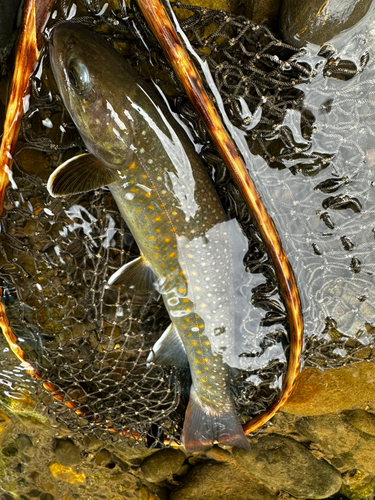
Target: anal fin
{"x": 135, "y": 277}
{"x": 203, "y": 429}
{"x": 169, "y": 350}
{"x": 80, "y": 174}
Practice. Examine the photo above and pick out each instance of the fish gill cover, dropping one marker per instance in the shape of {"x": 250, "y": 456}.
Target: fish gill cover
{"x": 301, "y": 112}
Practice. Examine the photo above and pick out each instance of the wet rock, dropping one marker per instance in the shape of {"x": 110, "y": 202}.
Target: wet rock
{"x": 317, "y": 21}
{"x": 103, "y": 458}
{"x": 284, "y": 464}
{"x": 218, "y": 454}
{"x": 336, "y": 436}
{"x": 220, "y": 482}
{"x": 67, "y": 453}
{"x": 318, "y": 392}
{"x": 263, "y": 12}
{"x": 67, "y": 474}
{"x": 24, "y": 443}
{"x": 362, "y": 420}
{"x": 162, "y": 465}
{"x": 357, "y": 485}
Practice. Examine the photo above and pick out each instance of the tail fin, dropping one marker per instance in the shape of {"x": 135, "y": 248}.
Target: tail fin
{"x": 202, "y": 430}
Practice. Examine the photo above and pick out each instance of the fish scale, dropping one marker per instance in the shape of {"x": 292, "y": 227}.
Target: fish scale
{"x": 167, "y": 200}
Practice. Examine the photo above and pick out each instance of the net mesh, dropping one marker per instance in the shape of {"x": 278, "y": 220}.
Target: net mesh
{"x": 56, "y": 255}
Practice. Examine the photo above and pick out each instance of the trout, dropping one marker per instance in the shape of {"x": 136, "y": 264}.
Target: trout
{"x": 189, "y": 250}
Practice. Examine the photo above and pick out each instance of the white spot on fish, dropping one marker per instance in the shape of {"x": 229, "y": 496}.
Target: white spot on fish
{"x": 129, "y": 196}
{"x": 48, "y": 211}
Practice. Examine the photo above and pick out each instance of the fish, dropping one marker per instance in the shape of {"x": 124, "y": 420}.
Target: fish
{"x": 190, "y": 252}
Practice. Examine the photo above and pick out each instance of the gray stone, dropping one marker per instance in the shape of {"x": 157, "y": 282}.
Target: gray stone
{"x": 162, "y": 464}
{"x": 336, "y": 436}
{"x": 317, "y": 21}
{"x": 67, "y": 453}
{"x": 220, "y": 481}
{"x": 284, "y": 464}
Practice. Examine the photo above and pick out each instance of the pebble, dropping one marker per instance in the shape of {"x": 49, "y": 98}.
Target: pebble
{"x": 221, "y": 481}
{"x": 24, "y": 443}
{"x": 335, "y": 390}
{"x": 162, "y": 464}
{"x": 317, "y": 21}
{"x": 336, "y": 436}
{"x": 67, "y": 453}
{"x": 287, "y": 465}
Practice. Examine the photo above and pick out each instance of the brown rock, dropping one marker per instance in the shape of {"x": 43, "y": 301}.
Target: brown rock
{"x": 336, "y": 436}
{"x": 362, "y": 420}
{"x": 317, "y": 21}
{"x": 263, "y": 12}
{"x": 286, "y": 465}
{"x": 162, "y": 464}
{"x": 220, "y": 482}
{"x": 318, "y": 392}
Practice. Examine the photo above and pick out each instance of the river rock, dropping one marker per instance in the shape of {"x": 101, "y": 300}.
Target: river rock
{"x": 335, "y": 390}
{"x": 317, "y": 21}
{"x": 263, "y": 12}
{"x": 67, "y": 453}
{"x": 336, "y": 436}
{"x": 162, "y": 464}
{"x": 362, "y": 420}
{"x": 284, "y": 464}
{"x": 220, "y": 482}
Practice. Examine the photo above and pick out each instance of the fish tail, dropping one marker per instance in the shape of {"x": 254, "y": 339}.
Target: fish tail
{"x": 202, "y": 430}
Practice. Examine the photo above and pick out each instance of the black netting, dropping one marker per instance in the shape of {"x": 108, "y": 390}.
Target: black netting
{"x": 90, "y": 340}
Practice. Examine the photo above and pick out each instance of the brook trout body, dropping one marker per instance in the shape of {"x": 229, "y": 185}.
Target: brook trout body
{"x": 167, "y": 200}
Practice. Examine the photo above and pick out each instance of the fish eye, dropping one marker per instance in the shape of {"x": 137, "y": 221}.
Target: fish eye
{"x": 79, "y": 76}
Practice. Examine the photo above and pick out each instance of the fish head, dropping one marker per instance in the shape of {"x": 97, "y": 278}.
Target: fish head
{"x": 85, "y": 68}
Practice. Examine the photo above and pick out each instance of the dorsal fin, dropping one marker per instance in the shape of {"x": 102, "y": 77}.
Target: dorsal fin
{"x": 80, "y": 174}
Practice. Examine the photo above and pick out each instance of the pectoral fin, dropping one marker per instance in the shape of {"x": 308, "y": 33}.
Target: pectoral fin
{"x": 135, "y": 276}
{"x": 169, "y": 350}
{"x": 80, "y": 174}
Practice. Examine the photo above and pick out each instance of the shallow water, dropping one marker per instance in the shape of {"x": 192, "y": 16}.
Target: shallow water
{"x": 318, "y": 189}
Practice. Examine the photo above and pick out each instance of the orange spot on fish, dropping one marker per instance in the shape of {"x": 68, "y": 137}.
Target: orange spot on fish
{"x": 150, "y": 207}
{"x": 157, "y": 219}
{"x": 167, "y": 240}
{"x": 132, "y": 166}
{"x": 172, "y": 254}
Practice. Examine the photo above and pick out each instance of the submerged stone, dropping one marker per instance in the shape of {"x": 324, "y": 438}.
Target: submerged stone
{"x": 220, "y": 482}
{"x": 334, "y": 390}
{"x": 336, "y": 436}
{"x": 162, "y": 464}
{"x": 317, "y": 21}
{"x": 284, "y": 464}
{"x": 67, "y": 453}
{"x": 263, "y": 12}
{"x": 362, "y": 420}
